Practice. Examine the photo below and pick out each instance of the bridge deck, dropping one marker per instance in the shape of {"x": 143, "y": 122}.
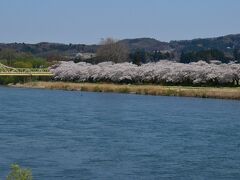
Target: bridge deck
{"x": 26, "y": 74}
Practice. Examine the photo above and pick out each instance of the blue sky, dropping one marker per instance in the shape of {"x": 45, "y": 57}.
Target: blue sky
{"x": 87, "y": 21}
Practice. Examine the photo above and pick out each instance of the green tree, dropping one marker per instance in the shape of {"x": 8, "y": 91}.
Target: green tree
{"x": 139, "y": 56}
{"x": 18, "y": 173}
{"x": 21, "y": 64}
{"x": 157, "y": 56}
{"x": 8, "y": 54}
{"x": 236, "y": 55}
{"x": 205, "y": 55}
{"x": 187, "y": 57}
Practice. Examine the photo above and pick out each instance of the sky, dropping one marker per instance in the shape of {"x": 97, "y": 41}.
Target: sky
{"x": 88, "y": 21}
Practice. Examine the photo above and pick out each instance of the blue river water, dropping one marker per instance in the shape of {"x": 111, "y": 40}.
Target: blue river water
{"x": 80, "y": 135}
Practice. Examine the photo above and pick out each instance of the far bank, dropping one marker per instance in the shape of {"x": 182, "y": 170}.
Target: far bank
{"x": 157, "y": 90}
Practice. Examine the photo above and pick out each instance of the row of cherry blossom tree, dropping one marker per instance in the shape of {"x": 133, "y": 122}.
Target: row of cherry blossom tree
{"x": 162, "y": 72}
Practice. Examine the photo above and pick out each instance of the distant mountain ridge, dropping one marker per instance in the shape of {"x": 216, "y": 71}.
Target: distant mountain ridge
{"x": 226, "y": 44}
{"x": 148, "y": 44}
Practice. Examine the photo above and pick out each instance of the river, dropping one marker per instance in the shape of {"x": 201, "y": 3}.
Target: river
{"x": 66, "y": 135}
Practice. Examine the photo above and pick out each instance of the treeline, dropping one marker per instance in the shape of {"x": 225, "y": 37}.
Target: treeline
{"x": 162, "y": 72}
{"x": 207, "y": 55}
{"x": 16, "y": 59}
{"x": 118, "y": 52}
{"x": 140, "y": 56}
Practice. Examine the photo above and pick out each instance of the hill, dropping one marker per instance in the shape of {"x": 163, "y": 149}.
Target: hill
{"x": 46, "y": 50}
{"x": 226, "y": 44}
{"x": 229, "y": 45}
{"x": 148, "y": 44}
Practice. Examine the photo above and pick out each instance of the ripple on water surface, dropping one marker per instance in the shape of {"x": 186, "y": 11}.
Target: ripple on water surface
{"x": 80, "y": 135}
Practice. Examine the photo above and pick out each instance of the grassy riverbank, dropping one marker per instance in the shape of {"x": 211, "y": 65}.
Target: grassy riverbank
{"x": 187, "y": 91}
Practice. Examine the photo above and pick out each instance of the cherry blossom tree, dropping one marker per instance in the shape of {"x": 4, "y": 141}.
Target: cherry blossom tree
{"x": 161, "y": 72}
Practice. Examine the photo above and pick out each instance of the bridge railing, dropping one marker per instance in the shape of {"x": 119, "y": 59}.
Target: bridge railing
{"x": 9, "y": 71}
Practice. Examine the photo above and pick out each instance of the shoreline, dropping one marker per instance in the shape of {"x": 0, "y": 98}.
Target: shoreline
{"x": 156, "y": 90}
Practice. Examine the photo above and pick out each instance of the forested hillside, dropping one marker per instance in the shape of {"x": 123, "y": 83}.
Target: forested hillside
{"x": 225, "y": 49}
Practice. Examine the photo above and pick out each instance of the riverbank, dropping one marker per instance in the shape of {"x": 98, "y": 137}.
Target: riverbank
{"x": 186, "y": 91}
